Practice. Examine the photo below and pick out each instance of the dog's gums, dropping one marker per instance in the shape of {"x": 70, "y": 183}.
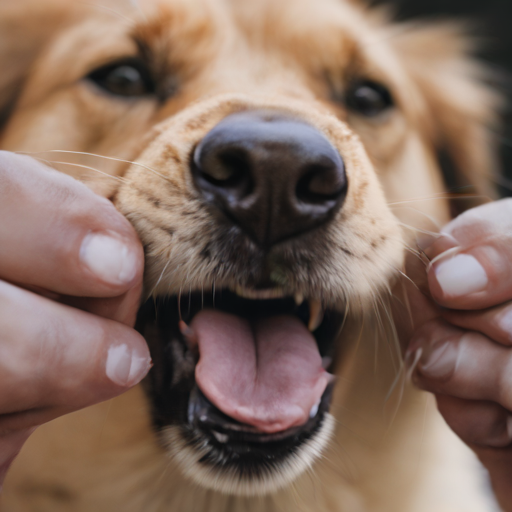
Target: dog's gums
{"x": 276, "y": 159}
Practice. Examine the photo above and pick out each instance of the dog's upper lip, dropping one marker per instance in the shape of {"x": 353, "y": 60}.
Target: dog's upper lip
{"x": 266, "y": 372}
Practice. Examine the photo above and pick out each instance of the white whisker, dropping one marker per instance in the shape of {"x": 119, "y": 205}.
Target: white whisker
{"x": 160, "y": 278}
{"x": 429, "y": 217}
{"x": 106, "y": 174}
{"x": 436, "y": 197}
{"x": 420, "y": 230}
{"x": 97, "y": 156}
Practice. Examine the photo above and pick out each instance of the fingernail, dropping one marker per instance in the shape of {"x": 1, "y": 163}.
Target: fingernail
{"x": 461, "y": 275}
{"x": 125, "y": 367}
{"x": 438, "y": 361}
{"x": 109, "y": 258}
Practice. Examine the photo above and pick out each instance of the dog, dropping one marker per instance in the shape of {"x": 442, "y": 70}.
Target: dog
{"x": 277, "y": 160}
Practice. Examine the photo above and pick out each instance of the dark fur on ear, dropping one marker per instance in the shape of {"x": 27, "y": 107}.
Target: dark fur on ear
{"x": 25, "y": 26}
{"x": 462, "y": 110}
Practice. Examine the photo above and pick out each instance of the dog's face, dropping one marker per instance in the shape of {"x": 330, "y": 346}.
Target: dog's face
{"x": 264, "y": 134}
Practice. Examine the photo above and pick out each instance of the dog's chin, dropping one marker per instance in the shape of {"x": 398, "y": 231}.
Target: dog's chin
{"x": 213, "y": 449}
{"x": 202, "y": 462}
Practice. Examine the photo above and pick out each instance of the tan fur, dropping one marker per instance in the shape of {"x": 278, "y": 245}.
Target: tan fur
{"x": 388, "y": 453}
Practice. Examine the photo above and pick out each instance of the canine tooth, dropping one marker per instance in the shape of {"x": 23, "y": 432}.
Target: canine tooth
{"x": 316, "y": 314}
{"x": 222, "y": 438}
{"x": 188, "y": 334}
{"x": 299, "y": 298}
{"x": 326, "y": 362}
{"x": 314, "y": 410}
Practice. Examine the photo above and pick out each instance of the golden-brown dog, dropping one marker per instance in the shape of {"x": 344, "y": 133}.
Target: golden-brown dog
{"x": 276, "y": 159}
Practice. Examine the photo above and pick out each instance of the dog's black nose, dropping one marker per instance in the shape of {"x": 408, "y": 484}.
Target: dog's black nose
{"x": 274, "y": 176}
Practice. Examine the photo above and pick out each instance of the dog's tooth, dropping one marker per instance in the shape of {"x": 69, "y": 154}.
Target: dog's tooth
{"x": 222, "y": 438}
{"x": 240, "y": 291}
{"x": 299, "y": 298}
{"x": 314, "y": 410}
{"x": 326, "y": 362}
{"x": 316, "y": 314}
{"x": 189, "y": 334}
{"x": 246, "y": 293}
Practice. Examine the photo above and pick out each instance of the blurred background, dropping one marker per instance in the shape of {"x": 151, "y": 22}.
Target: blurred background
{"x": 493, "y": 21}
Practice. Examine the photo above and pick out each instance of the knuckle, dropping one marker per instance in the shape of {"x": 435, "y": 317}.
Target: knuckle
{"x": 503, "y": 386}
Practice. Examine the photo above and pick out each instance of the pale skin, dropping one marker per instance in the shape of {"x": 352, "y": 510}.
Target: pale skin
{"x": 463, "y": 349}
{"x": 70, "y": 281}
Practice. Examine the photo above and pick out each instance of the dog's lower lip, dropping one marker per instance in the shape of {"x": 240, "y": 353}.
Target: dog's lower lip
{"x": 205, "y": 417}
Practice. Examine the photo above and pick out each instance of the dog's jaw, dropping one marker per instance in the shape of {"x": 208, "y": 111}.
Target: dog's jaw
{"x": 230, "y": 481}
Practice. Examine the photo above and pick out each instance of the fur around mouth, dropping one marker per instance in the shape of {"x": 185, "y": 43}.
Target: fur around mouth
{"x": 220, "y": 441}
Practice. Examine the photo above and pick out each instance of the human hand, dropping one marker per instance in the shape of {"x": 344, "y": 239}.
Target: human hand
{"x": 463, "y": 350}
{"x": 70, "y": 281}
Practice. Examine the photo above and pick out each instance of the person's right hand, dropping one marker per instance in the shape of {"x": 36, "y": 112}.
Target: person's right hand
{"x": 463, "y": 341}
{"x": 70, "y": 281}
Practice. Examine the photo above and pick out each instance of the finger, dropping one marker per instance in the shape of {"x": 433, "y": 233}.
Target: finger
{"x": 57, "y": 234}
{"x": 477, "y": 422}
{"x": 462, "y": 364}
{"x": 495, "y": 323}
{"x": 10, "y": 445}
{"x": 122, "y": 309}
{"x": 498, "y": 463}
{"x": 56, "y": 357}
{"x": 477, "y": 277}
{"x": 471, "y": 262}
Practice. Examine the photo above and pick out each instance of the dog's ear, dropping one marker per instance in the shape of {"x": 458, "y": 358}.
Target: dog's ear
{"x": 461, "y": 110}
{"x": 25, "y": 27}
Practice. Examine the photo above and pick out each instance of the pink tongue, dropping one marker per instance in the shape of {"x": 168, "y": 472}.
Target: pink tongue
{"x": 267, "y": 373}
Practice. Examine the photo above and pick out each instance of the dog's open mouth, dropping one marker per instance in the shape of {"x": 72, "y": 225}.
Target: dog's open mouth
{"x": 245, "y": 372}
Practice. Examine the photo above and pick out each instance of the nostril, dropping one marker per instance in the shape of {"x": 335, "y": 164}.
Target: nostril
{"x": 222, "y": 167}
{"x": 227, "y": 169}
{"x": 235, "y": 164}
{"x": 322, "y": 183}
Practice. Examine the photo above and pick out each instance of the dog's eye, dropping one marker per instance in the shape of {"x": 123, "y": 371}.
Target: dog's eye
{"x": 127, "y": 78}
{"x": 368, "y": 98}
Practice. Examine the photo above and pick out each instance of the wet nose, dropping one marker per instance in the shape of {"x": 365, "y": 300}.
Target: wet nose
{"x": 274, "y": 176}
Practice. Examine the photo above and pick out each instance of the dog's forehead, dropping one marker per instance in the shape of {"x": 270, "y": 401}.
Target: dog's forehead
{"x": 294, "y": 30}
{"x": 266, "y": 21}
